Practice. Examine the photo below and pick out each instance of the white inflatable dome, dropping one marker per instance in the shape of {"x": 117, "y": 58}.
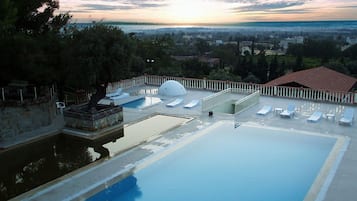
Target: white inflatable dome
{"x": 172, "y": 88}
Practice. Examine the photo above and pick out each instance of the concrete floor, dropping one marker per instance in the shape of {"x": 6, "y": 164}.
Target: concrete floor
{"x": 89, "y": 180}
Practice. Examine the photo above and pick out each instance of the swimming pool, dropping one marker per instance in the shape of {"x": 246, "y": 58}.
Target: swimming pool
{"x": 143, "y": 102}
{"x": 247, "y": 163}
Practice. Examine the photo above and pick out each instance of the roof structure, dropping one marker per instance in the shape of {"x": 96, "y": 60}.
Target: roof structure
{"x": 320, "y": 78}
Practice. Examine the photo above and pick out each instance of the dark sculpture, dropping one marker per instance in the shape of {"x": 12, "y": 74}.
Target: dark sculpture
{"x": 95, "y": 98}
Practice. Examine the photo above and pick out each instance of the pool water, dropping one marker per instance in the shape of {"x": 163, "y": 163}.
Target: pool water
{"x": 143, "y": 102}
{"x": 246, "y": 163}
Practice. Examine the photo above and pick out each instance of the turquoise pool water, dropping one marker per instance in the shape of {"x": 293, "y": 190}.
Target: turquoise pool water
{"x": 246, "y": 163}
{"x": 143, "y": 102}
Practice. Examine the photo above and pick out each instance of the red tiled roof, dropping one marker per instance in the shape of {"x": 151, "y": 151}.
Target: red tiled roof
{"x": 317, "y": 78}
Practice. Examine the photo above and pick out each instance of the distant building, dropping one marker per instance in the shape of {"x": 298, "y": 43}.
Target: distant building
{"x": 231, "y": 43}
{"x": 219, "y": 42}
{"x": 274, "y": 52}
{"x": 246, "y": 50}
{"x": 351, "y": 41}
{"x": 320, "y": 78}
{"x": 284, "y": 44}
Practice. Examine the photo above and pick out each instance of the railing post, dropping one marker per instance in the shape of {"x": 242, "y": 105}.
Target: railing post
{"x": 21, "y": 96}
{"x": 35, "y": 91}
{"x": 3, "y": 94}
{"x": 50, "y": 89}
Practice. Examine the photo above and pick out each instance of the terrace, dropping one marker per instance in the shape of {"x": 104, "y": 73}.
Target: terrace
{"x": 75, "y": 185}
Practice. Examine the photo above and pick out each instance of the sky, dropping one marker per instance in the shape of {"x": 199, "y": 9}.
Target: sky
{"x": 209, "y": 11}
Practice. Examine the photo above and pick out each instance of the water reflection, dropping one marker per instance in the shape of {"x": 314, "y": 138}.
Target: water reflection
{"x": 125, "y": 190}
{"x": 27, "y": 166}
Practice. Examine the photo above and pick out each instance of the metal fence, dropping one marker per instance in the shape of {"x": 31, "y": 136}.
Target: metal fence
{"x": 28, "y": 94}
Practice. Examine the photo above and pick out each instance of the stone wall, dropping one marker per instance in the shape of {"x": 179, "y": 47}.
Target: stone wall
{"x": 77, "y": 117}
{"x": 16, "y": 120}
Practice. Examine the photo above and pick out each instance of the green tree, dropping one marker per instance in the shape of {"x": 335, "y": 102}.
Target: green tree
{"x": 195, "y": 68}
{"x": 222, "y": 74}
{"x": 100, "y": 54}
{"x": 202, "y": 46}
{"x": 273, "y": 68}
{"x": 351, "y": 52}
{"x": 8, "y": 13}
{"x": 37, "y": 16}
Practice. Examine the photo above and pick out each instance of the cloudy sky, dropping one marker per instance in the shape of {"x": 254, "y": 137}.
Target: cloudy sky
{"x": 209, "y": 11}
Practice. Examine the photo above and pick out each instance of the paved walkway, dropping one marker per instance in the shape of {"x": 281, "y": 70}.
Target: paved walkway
{"x": 89, "y": 180}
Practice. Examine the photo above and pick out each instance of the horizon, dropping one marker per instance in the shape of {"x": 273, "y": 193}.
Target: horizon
{"x": 212, "y": 24}
{"x": 183, "y": 12}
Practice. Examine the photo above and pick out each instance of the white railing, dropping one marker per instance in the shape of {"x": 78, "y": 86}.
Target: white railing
{"x": 277, "y": 91}
{"x": 214, "y": 99}
{"x": 246, "y": 102}
{"x": 126, "y": 84}
{"x": 242, "y": 87}
{"x": 29, "y": 94}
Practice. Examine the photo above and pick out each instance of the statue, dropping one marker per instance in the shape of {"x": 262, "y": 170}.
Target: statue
{"x": 101, "y": 90}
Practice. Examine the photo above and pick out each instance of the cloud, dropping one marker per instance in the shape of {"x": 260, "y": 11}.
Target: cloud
{"x": 106, "y": 5}
{"x": 291, "y": 11}
{"x": 354, "y": 6}
{"x": 269, "y": 6}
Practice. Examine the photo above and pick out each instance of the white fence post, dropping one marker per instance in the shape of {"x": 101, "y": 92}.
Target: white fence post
{"x": 3, "y": 94}
{"x": 35, "y": 91}
{"x": 21, "y": 96}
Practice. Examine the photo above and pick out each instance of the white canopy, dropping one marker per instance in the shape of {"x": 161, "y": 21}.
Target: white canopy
{"x": 172, "y": 88}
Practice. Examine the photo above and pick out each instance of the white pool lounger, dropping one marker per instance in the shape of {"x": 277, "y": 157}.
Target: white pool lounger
{"x": 265, "y": 110}
{"x": 315, "y": 117}
{"x": 347, "y": 117}
{"x": 174, "y": 103}
{"x": 192, "y": 104}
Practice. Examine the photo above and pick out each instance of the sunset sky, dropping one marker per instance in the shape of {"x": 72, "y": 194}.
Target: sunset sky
{"x": 209, "y": 11}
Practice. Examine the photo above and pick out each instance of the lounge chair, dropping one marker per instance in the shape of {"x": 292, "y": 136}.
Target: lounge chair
{"x": 192, "y": 104}
{"x": 289, "y": 112}
{"x": 175, "y": 102}
{"x": 316, "y": 116}
{"x": 117, "y": 92}
{"x": 347, "y": 117}
{"x": 265, "y": 110}
{"x": 123, "y": 95}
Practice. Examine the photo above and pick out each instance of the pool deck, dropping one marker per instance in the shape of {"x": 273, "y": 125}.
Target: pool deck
{"x": 88, "y": 180}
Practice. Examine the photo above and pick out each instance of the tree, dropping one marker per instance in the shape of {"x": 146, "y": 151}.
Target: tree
{"x": 351, "y": 52}
{"x": 222, "y": 74}
{"x": 100, "y": 54}
{"x": 29, "y": 40}
{"x": 37, "y": 16}
{"x": 8, "y": 13}
{"x": 261, "y": 68}
{"x": 273, "y": 68}
{"x": 195, "y": 68}
{"x": 202, "y": 46}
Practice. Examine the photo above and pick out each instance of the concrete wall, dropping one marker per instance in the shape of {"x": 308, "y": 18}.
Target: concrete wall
{"x": 19, "y": 119}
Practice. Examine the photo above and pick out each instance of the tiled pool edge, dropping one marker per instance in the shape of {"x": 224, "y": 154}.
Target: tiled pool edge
{"x": 322, "y": 182}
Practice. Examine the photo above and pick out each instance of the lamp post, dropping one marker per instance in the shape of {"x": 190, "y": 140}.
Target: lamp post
{"x": 150, "y": 63}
